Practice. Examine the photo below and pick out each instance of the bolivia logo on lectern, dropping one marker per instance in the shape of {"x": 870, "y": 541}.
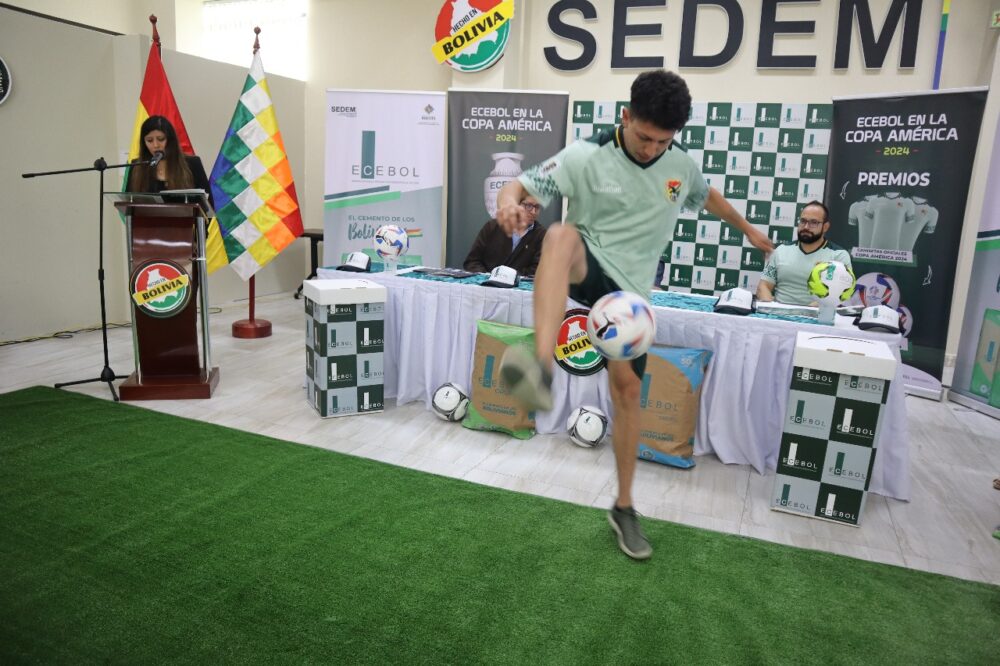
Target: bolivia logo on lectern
{"x": 160, "y": 288}
{"x": 574, "y": 352}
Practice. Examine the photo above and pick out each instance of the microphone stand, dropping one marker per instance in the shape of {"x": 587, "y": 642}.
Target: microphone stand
{"x": 108, "y": 375}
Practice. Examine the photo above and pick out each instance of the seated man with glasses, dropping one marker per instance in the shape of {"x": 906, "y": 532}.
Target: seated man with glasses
{"x": 522, "y": 251}
{"x": 787, "y": 271}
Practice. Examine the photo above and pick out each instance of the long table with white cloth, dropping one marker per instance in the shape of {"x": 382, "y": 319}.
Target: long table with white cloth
{"x": 430, "y": 337}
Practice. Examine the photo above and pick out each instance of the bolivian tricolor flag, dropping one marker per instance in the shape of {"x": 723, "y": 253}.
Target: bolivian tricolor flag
{"x": 156, "y": 99}
{"x": 257, "y": 211}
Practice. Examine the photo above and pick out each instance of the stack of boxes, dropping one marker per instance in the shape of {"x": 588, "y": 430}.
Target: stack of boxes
{"x": 830, "y": 436}
{"x": 345, "y": 332}
{"x": 985, "y": 378}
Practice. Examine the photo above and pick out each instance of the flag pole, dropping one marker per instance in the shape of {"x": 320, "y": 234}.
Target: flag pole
{"x": 252, "y": 328}
{"x": 156, "y": 34}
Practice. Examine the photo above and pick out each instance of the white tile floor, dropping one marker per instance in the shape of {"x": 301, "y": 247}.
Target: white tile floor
{"x": 946, "y": 528}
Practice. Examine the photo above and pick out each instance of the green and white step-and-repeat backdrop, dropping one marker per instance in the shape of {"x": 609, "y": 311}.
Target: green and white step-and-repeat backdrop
{"x": 769, "y": 160}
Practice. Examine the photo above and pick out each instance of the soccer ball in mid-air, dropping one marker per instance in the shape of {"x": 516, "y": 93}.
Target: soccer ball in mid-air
{"x": 391, "y": 241}
{"x": 621, "y": 326}
{"x": 450, "y": 402}
{"x": 876, "y": 289}
{"x": 587, "y": 426}
{"x": 831, "y": 281}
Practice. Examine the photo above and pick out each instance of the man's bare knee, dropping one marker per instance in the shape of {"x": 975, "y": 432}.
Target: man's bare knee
{"x": 560, "y": 238}
{"x": 563, "y": 248}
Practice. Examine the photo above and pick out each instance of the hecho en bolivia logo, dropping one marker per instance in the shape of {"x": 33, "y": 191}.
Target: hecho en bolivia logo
{"x": 471, "y": 35}
{"x": 574, "y": 352}
{"x": 160, "y": 288}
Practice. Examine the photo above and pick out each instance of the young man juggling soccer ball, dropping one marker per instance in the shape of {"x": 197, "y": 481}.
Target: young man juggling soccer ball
{"x": 624, "y": 189}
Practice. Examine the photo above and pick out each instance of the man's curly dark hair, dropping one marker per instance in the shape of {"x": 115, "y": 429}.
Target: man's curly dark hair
{"x": 662, "y": 98}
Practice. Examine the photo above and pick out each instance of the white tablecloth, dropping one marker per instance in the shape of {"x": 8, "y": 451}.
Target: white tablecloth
{"x": 430, "y": 336}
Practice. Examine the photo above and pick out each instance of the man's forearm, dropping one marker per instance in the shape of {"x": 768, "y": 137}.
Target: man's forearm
{"x": 717, "y": 205}
{"x": 510, "y": 194}
{"x": 764, "y": 292}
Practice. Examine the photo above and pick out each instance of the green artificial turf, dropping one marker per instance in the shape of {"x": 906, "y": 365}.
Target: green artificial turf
{"x": 132, "y": 536}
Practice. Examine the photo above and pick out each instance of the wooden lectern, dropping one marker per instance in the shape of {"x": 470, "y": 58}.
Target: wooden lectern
{"x": 168, "y": 287}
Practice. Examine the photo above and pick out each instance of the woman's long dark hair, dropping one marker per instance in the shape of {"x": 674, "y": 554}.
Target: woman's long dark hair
{"x": 178, "y": 173}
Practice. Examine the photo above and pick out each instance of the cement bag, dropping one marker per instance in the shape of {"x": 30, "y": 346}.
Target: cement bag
{"x": 671, "y": 391}
{"x": 491, "y": 407}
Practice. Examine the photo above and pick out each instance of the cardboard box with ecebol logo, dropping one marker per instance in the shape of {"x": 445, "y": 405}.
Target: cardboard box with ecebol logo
{"x": 345, "y": 331}
{"x": 491, "y": 406}
{"x": 836, "y": 402}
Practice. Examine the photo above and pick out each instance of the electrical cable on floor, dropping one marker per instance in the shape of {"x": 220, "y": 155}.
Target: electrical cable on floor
{"x": 64, "y": 335}
{"x": 68, "y": 335}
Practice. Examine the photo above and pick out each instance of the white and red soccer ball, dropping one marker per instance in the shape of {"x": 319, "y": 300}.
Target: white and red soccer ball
{"x": 621, "y": 326}
{"x": 391, "y": 241}
{"x": 876, "y": 289}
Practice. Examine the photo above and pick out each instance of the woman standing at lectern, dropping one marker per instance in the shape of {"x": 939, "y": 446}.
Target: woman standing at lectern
{"x": 174, "y": 171}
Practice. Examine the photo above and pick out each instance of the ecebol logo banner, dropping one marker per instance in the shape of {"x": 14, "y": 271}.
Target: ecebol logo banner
{"x": 472, "y": 34}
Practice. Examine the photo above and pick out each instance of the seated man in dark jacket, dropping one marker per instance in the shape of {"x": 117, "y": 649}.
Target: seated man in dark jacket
{"x": 493, "y": 247}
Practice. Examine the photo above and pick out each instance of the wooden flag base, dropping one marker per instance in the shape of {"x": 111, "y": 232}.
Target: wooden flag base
{"x": 251, "y": 328}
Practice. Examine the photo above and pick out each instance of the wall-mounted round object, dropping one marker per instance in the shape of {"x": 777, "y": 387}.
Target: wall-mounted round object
{"x": 5, "y": 81}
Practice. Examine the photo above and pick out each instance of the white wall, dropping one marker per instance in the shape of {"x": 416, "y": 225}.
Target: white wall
{"x": 124, "y": 16}
{"x": 48, "y": 276}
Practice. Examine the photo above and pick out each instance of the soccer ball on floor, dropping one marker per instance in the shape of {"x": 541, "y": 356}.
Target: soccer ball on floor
{"x": 450, "y": 402}
{"x": 621, "y": 326}
{"x": 587, "y": 426}
{"x": 391, "y": 241}
{"x": 831, "y": 281}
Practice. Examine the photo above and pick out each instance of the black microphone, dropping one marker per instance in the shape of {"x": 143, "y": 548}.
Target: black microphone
{"x": 157, "y": 156}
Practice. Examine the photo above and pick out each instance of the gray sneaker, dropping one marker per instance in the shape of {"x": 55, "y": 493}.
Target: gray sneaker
{"x": 631, "y": 540}
{"x": 526, "y": 378}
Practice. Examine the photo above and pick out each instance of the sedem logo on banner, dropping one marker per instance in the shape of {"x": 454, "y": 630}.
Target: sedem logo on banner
{"x": 471, "y": 35}
{"x": 160, "y": 288}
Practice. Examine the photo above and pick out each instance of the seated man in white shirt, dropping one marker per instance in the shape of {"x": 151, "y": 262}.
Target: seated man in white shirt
{"x": 787, "y": 270}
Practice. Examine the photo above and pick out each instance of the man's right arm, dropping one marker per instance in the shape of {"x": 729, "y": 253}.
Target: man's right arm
{"x": 510, "y": 216}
